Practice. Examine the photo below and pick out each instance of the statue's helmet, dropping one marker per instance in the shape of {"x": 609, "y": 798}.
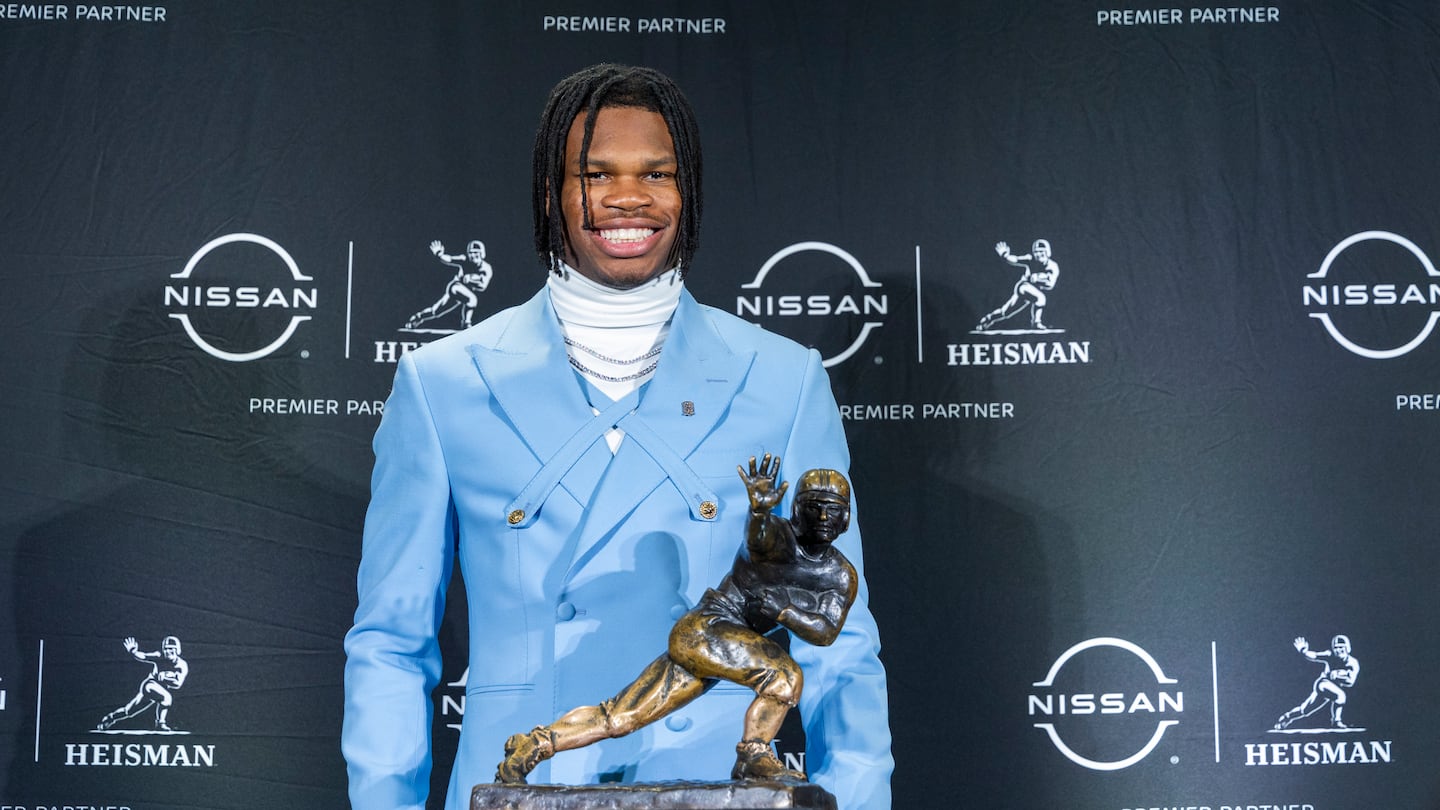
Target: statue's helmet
{"x": 475, "y": 250}
{"x": 170, "y": 643}
{"x": 1039, "y": 246}
{"x": 821, "y": 483}
{"x": 1340, "y": 645}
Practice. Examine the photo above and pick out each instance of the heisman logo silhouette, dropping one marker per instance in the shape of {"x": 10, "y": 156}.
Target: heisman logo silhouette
{"x": 168, "y": 672}
{"x": 1038, "y": 277}
{"x": 472, "y": 276}
{"x": 1339, "y": 674}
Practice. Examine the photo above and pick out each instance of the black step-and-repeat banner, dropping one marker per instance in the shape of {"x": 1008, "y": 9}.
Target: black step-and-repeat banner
{"x": 1130, "y": 311}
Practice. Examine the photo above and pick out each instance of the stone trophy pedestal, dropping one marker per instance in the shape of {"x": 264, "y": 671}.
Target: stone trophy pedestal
{"x": 744, "y": 795}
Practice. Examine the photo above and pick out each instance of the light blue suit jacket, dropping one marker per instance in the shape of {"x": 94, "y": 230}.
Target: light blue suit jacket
{"x": 577, "y": 562}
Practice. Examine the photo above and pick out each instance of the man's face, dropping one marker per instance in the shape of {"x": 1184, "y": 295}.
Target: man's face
{"x": 477, "y": 255}
{"x": 633, "y": 194}
{"x": 1340, "y": 647}
{"x": 821, "y": 518}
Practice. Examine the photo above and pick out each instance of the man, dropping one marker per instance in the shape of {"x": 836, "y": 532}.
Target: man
{"x": 786, "y": 575}
{"x": 167, "y": 674}
{"x": 1339, "y": 673}
{"x": 576, "y": 455}
{"x": 1030, "y": 289}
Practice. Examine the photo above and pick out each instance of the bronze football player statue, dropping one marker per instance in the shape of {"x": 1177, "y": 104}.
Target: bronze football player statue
{"x": 787, "y": 575}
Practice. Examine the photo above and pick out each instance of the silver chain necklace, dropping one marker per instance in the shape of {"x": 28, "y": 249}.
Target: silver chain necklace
{"x": 589, "y": 372}
{"x": 582, "y": 347}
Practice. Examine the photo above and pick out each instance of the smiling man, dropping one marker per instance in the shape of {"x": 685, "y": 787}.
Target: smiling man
{"x": 575, "y": 455}
{"x": 622, "y": 208}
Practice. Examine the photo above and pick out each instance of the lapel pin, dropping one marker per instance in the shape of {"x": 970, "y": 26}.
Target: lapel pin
{"x": 687, "y": 408}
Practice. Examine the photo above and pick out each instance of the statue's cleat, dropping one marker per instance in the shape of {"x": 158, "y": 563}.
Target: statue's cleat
{"x": 755, "y": 760}
{"x": 522, "y": 753}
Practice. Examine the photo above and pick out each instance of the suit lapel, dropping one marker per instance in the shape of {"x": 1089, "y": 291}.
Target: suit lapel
{"x": 529, "y": 376}
{"x": 702, "y": 371}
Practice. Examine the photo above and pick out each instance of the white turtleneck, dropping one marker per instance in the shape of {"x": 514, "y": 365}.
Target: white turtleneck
{"x": 613, "y": 337}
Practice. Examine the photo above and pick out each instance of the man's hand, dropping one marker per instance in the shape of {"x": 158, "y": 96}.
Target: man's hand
{"x": 437, "y": 248}
{"x": 1302, "y": 646}
{"x": 760, "y": 483}
{"x": 130, "y": 645}
{"x": 1002, "y": 248}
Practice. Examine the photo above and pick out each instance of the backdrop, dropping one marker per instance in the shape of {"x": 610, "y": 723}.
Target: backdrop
{"x": 1128, "y": 308}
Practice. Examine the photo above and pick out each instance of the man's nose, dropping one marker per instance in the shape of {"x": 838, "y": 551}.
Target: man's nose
{"x": 626, "y": 193}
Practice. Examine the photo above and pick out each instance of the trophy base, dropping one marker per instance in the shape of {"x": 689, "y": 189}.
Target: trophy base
{"x": 742, "y": 795}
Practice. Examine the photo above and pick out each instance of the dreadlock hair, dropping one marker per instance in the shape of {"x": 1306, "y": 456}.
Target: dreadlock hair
{"x": 586, "y": 93}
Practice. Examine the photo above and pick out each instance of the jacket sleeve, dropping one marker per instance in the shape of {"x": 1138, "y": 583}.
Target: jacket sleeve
{"x": 392, "y": 652}
{"x": 843, "y": 704}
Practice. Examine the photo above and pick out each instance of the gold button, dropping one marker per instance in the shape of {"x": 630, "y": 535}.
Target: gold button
{"x": 707, "y": 510}
{"x": 516, "y": 516}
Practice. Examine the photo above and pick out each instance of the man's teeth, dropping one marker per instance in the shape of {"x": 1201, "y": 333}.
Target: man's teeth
{"x": 626, "y": 234}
